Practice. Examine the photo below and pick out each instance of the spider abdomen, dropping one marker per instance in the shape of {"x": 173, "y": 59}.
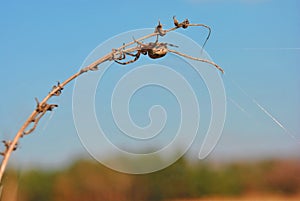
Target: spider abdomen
{"x": 158, "y": 51}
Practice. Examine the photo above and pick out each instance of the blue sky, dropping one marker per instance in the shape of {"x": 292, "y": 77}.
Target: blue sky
{"x": 256, "y": 42}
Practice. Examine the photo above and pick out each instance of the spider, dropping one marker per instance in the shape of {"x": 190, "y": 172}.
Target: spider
{"x": 157, "y": 49}
{"x": 153, "y": 50}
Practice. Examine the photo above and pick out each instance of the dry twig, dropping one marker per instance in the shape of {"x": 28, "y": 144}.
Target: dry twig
{"x": 154, "y": 50}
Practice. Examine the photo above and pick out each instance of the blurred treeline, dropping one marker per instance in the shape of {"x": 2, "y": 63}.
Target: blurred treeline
{"x": 90, "y": 181}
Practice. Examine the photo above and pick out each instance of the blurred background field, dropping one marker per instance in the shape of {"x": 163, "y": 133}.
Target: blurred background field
{"x": 184, "y": 180}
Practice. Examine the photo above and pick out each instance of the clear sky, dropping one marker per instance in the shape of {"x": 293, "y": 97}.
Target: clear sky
{"x": 256, "y": 42}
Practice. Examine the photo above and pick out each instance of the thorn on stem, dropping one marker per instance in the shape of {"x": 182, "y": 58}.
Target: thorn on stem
{"x": 94, "y": 68}
{"x": 58, "y": 88}
{"x": 159, "y": 29}
{"x": 42, "y": 108}
{"x": 51, "y": 107}
{"x": 7, "y": 144}
{"x": 184, "y": 24}
{"x": 176, "y": 23}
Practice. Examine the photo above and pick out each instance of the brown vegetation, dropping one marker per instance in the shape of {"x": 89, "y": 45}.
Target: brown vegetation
{"x": 86, "y": 180}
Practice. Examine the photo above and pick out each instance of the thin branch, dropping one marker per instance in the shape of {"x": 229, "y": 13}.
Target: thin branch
{"x": 42, "y": 107}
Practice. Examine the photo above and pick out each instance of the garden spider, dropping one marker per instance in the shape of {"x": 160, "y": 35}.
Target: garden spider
{"x": 158, "y": 49}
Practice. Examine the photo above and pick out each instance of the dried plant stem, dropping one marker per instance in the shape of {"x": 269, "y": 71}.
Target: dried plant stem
{"x": 42, "y": 107}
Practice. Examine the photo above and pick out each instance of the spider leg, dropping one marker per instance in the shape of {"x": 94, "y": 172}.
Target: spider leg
{"x": 130, "y": 54}
{"x": 172, "y": 45}
{"x": 197, "y": 59}
{"x": 138, "y": 42}
{"x": 122, "y": 54}
{"x": 118, "y": 54}
{"x": 137, "y": 56}
{"x": 156, "y": 41}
